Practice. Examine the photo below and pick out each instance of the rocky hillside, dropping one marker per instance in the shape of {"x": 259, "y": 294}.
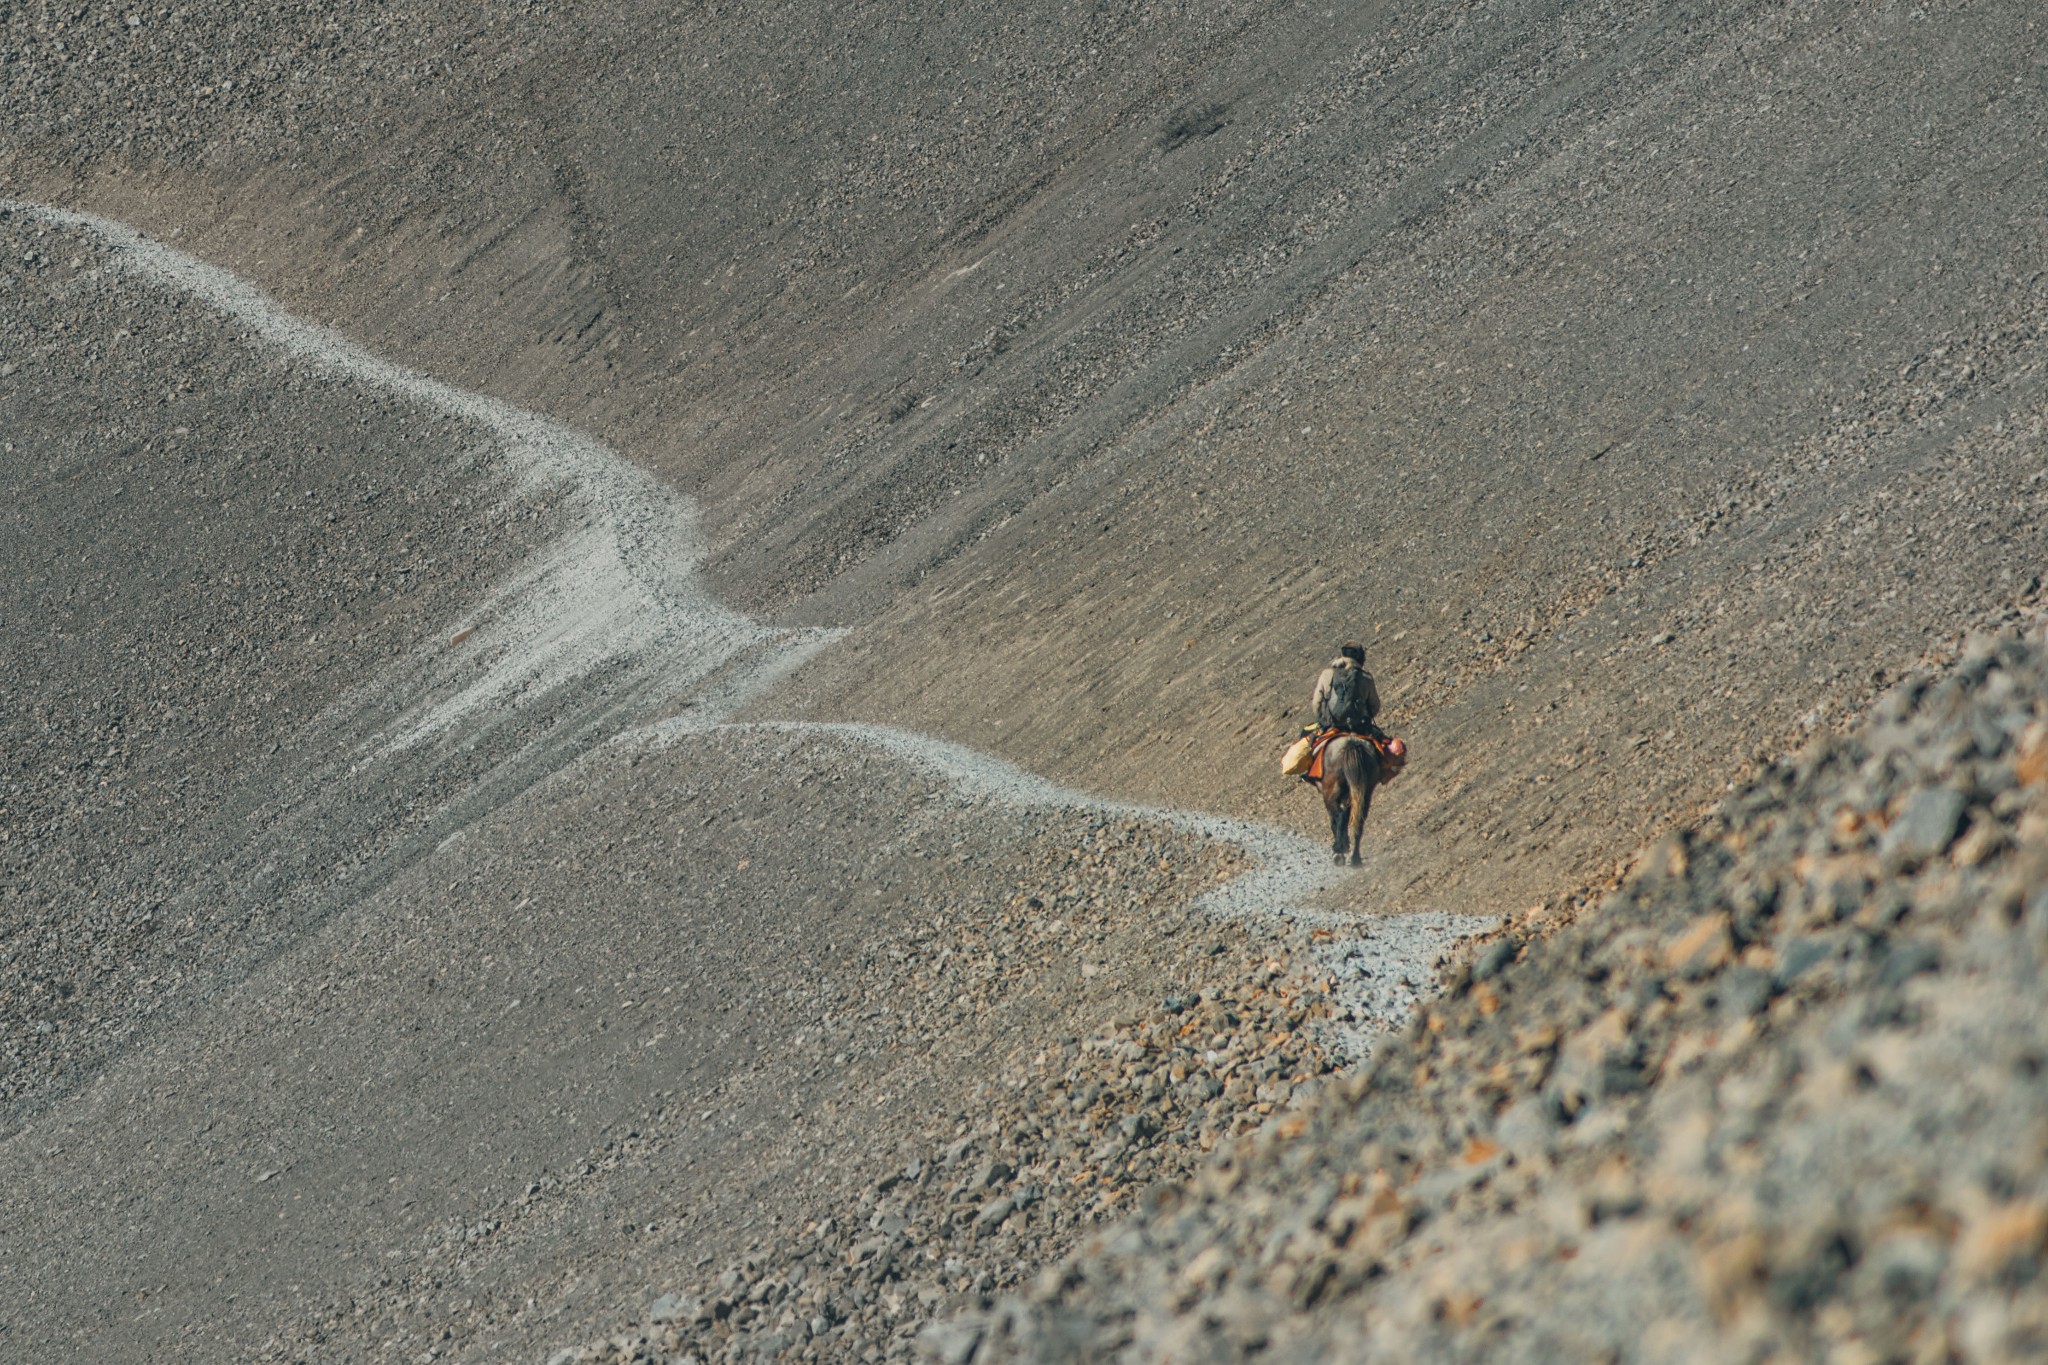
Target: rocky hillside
{"x": 392, "y": 912}
{"x": 641, "y": 650}
{"x": 1779, "y": 1094}
{"x": 1638, "y": 386}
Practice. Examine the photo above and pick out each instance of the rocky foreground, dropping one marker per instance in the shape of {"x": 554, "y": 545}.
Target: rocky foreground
{"x": 1072, "y": 1138}
{"x": 1778, "y": 1096}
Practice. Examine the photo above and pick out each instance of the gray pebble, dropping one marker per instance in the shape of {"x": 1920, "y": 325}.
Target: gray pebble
{"x": 1925, "y": 826}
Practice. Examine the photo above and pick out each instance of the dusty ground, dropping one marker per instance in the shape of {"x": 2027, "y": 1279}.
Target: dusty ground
{"x": 1106, "y": 367}
{"x": 205, "y": 551}
{"x": 362, "y": 991}
{"x": 1647, "y": 390}
{"x": 1778, "y": 1096}
{"x": 621, "y": 1025}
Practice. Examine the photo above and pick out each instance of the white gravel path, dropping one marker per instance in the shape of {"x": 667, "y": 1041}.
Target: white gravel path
{"x": 620, "y": 594}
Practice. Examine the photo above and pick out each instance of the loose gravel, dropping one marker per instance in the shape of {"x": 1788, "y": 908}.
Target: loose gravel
{"x": 1779, "y": 1095}
{"x": 1645, "y": 384}
{"x": 422, "y": 830}
{"x": 205, "y": 550}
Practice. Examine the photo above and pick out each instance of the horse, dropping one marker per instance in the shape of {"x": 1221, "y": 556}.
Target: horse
{"x": 1351, "y": 769}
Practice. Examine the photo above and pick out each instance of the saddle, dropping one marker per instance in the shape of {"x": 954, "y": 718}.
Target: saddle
{"x": 1304, "y": 758}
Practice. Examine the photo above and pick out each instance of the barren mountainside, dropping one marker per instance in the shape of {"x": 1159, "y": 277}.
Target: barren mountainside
{"x": 644, "y": 646}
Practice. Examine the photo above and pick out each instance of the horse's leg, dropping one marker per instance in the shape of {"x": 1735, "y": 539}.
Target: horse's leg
{"x": 1337, "y": 809}
{"x": 1361, "y": 805}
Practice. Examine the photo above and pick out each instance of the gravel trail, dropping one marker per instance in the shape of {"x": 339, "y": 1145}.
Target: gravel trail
{"x": 620, "y": 594}
{"x": 621, "y": 591}
{"x": 1778, "y": 1096}
{"x": 1379, "y": 969}
{"x": 1650, "y": 387}
{"x": 372, "y": 916}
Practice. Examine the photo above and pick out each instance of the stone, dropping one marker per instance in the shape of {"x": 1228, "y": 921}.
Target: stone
{"x": 1984, "y": 841}
{"x": 1905, "y": 1266}
{"x": 2000, "y": 1236}
{"x": 1525, "y": 1127}
{"x": 1805, "y": 1274}
{"x": 1491, "y": 962}
{"x": 1836, "y": 1168}
{"x": 1907, "y": 960}
{"x": 1746, "y": 991}
{"x": 1925, "y": 826}
{"x": 1701, "y": 948}
{"x": 949, "y": 1343}
{"x": 1802, "y": 954}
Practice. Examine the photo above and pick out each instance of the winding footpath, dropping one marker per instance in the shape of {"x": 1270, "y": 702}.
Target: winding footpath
{"x": 614, "y": 614}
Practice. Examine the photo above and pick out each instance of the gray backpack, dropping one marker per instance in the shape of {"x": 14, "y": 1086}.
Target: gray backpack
{"x": 1344, "y": 688}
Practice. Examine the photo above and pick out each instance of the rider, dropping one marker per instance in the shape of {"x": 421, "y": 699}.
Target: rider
{"x": 1345, "y": 698}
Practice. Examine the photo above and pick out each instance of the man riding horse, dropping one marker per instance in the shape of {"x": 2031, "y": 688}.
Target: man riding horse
{"x": 1349, "y": 754}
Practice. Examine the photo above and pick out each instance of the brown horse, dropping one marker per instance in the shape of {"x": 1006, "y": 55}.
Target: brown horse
{"x": 1351, "y": 769}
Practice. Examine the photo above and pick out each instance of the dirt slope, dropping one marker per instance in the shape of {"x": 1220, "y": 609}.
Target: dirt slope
{"x": 206, "y": 552}
{"x": 1110, "y": 366}
{"x": 1646, "y": 388}
{"x": 617, "y": 1029}
{"x": 1779, "y": 1095}
{"x": 378, "y": 971}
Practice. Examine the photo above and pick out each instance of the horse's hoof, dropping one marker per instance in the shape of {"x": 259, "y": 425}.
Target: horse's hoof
{"x": 1337, "y": 858}
{"x": 1356, "y": 860}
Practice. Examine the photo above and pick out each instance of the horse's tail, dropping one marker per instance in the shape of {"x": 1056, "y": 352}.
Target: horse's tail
{"x": 1358, "y": 762}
